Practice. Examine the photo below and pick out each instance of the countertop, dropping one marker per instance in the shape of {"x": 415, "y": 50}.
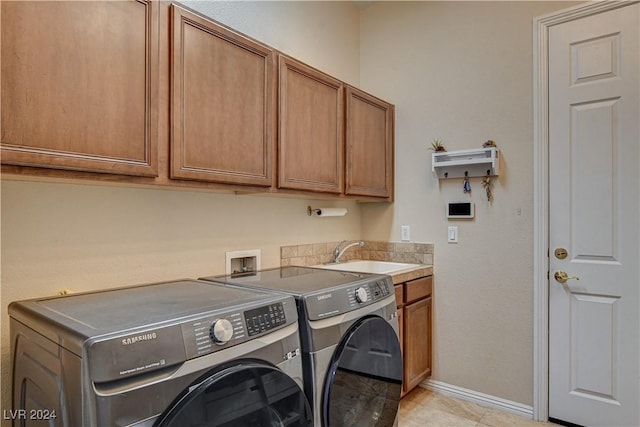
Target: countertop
{"x": 413, "y": 273}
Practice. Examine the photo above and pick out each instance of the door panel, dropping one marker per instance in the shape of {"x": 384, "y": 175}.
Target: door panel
{"x": 594, "y": 202}
{"x": 595, "y": 59}
{"x": 593, "y": 145}
{"x": 593, "y": 322}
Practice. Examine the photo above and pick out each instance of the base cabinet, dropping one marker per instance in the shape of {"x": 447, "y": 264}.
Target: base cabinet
{"x": 414, "y": 299}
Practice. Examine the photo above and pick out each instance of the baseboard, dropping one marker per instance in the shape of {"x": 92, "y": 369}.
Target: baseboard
{"x": 479, "y": 398}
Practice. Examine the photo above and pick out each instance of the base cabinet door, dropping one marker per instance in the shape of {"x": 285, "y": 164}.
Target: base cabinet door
{"x": 222, "y": 105}
{"x": 80, "y": 85}
{"x": 417, "y": 343}
{"x": 414, "y": 300}
{"x": 401, "y": 328}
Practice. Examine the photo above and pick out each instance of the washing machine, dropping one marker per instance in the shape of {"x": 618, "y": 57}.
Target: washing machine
{"x": 352, "y": 362}
{"x": 181, "y": 353}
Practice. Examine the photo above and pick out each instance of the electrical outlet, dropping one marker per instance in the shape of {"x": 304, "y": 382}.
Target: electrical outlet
{"x": 405, "y": 233}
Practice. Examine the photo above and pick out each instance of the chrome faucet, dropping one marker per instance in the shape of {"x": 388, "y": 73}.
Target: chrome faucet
{"x": 337, "y": 252}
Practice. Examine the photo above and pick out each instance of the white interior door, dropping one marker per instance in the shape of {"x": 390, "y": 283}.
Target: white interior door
{"x": 594, "y": 213}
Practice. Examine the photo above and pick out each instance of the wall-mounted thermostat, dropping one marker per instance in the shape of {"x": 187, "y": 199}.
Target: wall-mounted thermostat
{"x": 460, "y": 210}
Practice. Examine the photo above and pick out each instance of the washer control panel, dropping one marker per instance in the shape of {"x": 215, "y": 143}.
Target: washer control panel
{"x": 264, "y": 319}
{"x": 381, "y": 290}
{"x": 214, "y": 332}
{"x": 351, "y": 297}
{"x": 207, "y": 334}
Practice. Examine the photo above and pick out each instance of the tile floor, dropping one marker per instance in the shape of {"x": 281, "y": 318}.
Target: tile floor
{"x": 424, "y": 408}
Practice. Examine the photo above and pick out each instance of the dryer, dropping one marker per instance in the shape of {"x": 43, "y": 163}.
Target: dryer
{"x": 181, "y": 353}
{"x": 352, "y": 361}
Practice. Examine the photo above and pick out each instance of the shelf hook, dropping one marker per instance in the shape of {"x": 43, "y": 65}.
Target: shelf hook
{"x": 466, "y": 187}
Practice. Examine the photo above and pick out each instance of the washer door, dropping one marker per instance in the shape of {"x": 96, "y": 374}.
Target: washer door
{"x": 241, "y": 393}
{"x": 363, "y": 384}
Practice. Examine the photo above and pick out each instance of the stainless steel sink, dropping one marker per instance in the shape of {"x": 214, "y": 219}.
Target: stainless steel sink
{"x": 367, "y": 266}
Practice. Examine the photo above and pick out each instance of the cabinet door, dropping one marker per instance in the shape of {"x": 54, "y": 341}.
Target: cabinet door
{"x": 223, "y": 104}
{"x": 417, "y": 343}
{"x": 418, "y": 288}
{"x": 369, "y": 145}
{"x": 80, "y": 85}
{"x": 401, "y": 327}
{"x": 311, "y": 140}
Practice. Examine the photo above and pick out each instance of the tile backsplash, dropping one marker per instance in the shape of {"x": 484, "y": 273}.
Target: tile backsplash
{"x": 320, "y": 253}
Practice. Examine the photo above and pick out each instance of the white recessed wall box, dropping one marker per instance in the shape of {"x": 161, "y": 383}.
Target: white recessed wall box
{"x": 469, "y": 163}
{"x": 242, "y": 261}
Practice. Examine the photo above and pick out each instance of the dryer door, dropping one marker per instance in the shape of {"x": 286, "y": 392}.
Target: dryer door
{"x": 363, "y": 384}
{"x": 242, "y": 393}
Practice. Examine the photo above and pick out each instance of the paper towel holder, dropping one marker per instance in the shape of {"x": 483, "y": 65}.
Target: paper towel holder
{"x": 326, "y": 211}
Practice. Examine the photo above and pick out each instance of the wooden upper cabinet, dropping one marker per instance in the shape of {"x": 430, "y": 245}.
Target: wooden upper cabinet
{"x": 369, "y": 145}
{"x": 80, "y": 85}
{"x": 311, "y": 140}
{"x": 223, "y": 88}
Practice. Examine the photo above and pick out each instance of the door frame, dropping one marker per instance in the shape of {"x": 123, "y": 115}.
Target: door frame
{"x": 541, "y": 26}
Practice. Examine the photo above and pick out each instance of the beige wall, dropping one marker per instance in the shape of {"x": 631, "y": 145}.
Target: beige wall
{"x": 462, "y": 72}
{"x": 82, "y": 237}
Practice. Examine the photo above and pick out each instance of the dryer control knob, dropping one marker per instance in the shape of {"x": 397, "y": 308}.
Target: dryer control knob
{"x": 221, "y": 331}
{"x": 361, "y": 295}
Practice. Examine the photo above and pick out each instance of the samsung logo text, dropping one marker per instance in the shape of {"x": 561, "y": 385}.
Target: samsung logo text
{"x": 138, "y": 338}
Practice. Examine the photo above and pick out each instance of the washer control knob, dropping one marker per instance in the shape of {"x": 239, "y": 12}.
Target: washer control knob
{"x": 221, "y": 331}
{"x": 361, "y": 295}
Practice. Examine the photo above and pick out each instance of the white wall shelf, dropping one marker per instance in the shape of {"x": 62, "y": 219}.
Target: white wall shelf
{"x": 470, "y": 163}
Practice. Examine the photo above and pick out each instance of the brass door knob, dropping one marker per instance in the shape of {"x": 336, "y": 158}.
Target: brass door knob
{"x": 562, "y": 277}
